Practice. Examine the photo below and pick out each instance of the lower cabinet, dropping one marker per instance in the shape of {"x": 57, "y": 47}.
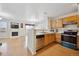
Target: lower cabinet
{"x": 39, "y": 43}
{"x": 58, "y": 37}
{"x": 49, "y": 38}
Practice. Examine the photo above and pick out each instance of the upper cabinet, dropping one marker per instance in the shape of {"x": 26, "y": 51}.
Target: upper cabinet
{"x": 74, "y": 18}
{"x": 59, "y": 23}
{"x": 52, "y": 23}
{"x": 70, "y": 19}
{"x": 77, "y": 19}
{"x": 49, "y": 22}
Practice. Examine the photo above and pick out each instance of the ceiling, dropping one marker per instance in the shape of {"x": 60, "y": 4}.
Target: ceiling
{"x": 34, "y": 12}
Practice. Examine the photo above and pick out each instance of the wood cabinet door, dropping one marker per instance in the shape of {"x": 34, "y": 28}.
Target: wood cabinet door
{"x": 46, "y": 39}
{"x": 77, "y": 19}
{"x": 49, "y": 38}
{"x": 59, "y": 23}
{"x": 53, "y": 37}
{"x": 53, "y": 23}
{"x": 58, "y": 37}
{"x": 49, "y": 23}
{"x": 70, "y": 19}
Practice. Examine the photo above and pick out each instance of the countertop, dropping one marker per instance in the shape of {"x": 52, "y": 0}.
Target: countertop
{"x": 42, "y": 33}
{"x": 51, "y": 33}
{"x": 45, "y": 33}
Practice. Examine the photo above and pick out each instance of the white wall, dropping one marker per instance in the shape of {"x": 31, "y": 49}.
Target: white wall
{"x": 42, "y": 24}
{"x": 21, "y": 31}
{"x": 8, "y": 33}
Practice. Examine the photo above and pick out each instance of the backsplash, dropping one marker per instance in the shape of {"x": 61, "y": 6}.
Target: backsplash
{"x": 60, "y": 30}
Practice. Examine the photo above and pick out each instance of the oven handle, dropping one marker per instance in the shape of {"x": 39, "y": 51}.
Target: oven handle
{"x": 69, "y": 35}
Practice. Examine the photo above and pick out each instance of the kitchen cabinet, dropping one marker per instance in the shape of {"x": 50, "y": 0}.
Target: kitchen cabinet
{"x": 77, "y": 19}
{"x": 49, "y": 23}
{"x": 49, "y": 38}
{"x": 53, "y": 23}
{"x": 58, "y": 37}
{"x": 74, "y": 18}
{"x": 78, "y": 42}
{"x": 59, "y": 23}
{"x": 39, "y": 42}
{"x": 70, "y": 19}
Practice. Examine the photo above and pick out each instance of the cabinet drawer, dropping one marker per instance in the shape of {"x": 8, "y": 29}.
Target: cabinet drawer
{"x": 58, "y": 37}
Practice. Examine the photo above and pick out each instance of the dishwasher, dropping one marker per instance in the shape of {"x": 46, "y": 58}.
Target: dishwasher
{"x": 39, "y": 41}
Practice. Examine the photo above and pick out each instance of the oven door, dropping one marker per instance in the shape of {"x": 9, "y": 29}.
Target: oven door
{"x": 69, "y": 38}
{"x": 69, "y": 41}
{"x": 68, "y": 45}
